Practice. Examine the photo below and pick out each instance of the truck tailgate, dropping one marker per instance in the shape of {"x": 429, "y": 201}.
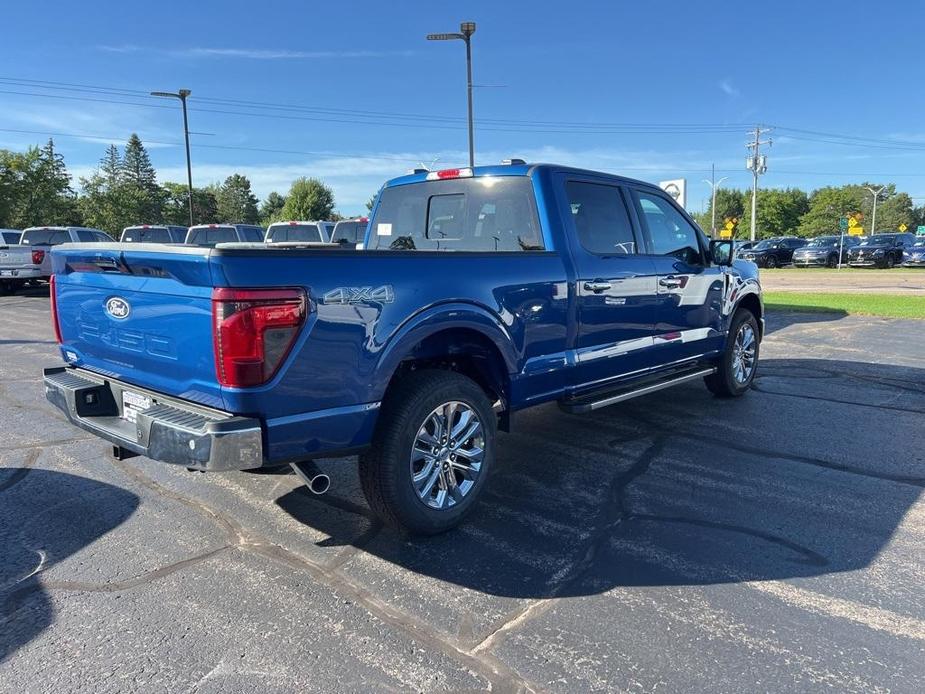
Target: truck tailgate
{"x": 141, "y": 315}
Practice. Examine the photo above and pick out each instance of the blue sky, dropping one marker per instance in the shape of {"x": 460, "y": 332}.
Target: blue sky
{"x": 650, "y": 90}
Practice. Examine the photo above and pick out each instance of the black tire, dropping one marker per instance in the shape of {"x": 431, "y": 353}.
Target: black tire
{"x": 386, "y": 468}
{"x": 890, "y": 261}
{"x": 832, "y": 261}
{"x": 723, "y": 382}
{"x": 770, "y": 262}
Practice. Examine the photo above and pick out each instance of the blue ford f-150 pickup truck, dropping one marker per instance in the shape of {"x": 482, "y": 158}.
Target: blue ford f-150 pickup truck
{"x": 479, "y": 292}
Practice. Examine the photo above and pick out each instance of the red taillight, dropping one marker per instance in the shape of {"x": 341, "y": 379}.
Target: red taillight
{"x": 38, "y": 257}
{"x": 253, "y": 331}
{"x": 53, "y": 294}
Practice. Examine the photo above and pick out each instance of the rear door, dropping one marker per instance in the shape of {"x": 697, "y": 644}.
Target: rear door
{"x": 616, "y": 285}
{"x": 688, "y": 321}
{"x": 144, "y": 317}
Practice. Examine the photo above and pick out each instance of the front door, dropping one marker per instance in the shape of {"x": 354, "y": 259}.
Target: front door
{"x": 616, "y": 286}
{"x": 689, "y": 322}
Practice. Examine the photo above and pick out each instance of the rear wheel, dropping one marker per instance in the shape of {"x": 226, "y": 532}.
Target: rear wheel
{"x": 890, "y": 261}
{"x": 431, "y": 453}
{"x": 737, "y": 366}
{"x": 832, "y": 261}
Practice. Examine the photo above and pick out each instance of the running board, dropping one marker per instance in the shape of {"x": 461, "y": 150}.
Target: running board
{"x": 596, "y": 401}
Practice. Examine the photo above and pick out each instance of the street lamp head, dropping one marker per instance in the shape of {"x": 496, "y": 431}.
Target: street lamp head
{"x": 467, "y": 28}
{"x": 184, "y": 93}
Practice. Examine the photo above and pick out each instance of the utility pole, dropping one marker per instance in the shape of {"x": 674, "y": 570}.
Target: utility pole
{"x": 713, "y": 183}
{"x": 757, "y": 163}
{"x": 873, "y": 216}
{"x": 182, "y": 95}
{"x": 466, "y": 29}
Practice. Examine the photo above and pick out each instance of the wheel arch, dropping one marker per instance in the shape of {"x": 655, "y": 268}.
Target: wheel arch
{"x": 463, "y": 338}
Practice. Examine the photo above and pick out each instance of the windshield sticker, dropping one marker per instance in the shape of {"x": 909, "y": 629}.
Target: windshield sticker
{"x": 384, "y": 229}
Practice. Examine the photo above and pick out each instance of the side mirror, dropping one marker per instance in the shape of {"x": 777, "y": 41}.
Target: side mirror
{"x": 721, "y": 252}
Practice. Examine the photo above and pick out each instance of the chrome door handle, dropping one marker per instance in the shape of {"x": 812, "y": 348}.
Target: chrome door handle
{"x": 597, "y": 286}
{"x": 671, "y": 282}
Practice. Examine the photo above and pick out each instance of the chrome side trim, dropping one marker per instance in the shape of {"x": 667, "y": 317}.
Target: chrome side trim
{"x": 645, "y": 390}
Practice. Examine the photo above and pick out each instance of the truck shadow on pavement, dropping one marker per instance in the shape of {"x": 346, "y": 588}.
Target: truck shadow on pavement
{"x": 45, "y": 517}
{"x": 679, "y": 488}
{"x": 778, "y": 320}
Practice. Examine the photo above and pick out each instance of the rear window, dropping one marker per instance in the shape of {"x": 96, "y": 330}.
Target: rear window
{"x": 250, "y": 233}
{"x": 11, "y": 237}
{"x": 44, "y": 237}
{"x": 211, "y": 236}
{"x": 349, "y": 232}
{"x": 487, "y": 213}
{"x": 295, "y": 232}
{"x": 149, "y": 235}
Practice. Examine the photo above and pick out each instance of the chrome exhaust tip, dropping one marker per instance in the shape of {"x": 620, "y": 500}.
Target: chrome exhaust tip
{"x": 316, "y": 481}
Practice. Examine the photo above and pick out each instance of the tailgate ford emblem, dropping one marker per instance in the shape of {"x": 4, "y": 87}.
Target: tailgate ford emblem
{"x": 118, "y": 308}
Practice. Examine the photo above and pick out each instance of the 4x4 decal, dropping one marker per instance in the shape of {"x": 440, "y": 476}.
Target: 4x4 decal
{"x": 360, "y": 295}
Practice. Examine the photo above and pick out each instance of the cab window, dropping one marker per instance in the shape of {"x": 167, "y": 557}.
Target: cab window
{"x": 669, "y": 233}
{"x": 602, "y": 223}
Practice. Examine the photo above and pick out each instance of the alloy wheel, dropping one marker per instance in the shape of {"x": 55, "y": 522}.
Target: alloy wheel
{"x": 446, "y": 458}
{"x": 744, "y": 351}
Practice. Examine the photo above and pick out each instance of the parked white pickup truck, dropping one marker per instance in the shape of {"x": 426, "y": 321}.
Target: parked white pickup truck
{"x": 18, "y": 264}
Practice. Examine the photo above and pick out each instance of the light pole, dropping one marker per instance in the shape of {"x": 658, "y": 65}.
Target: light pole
{"x": 873, "y": 216}
{"x": 714, "y": 184}
{"x": 466, "y": 29}
{"x": 181, "y": 95}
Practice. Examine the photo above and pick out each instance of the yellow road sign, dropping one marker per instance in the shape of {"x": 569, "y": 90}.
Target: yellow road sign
{"x": 856, "y": 231}
{"x": 903, "y": 227}
{"x": 725, "y": 233}
{"x": 852, "y": 222}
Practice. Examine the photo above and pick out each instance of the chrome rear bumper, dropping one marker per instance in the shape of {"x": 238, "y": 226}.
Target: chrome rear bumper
{"x": 170, "y": 430}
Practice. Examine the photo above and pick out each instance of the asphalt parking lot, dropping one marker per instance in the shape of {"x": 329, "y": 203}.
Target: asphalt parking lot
{"x": 674, "y": 543}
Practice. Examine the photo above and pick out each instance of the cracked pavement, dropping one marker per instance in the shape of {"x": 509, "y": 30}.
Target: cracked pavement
{"x": 675, "y": 542}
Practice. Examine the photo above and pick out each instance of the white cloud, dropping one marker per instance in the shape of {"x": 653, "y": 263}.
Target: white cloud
{"x": 249, "y": 53}
{"x": 271, "y": 54}
{"x": 728, "y": 88}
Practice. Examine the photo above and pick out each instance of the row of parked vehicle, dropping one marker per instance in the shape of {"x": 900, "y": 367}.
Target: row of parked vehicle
{"x": 24, "y": 255}
{"x": 883, "y": 250}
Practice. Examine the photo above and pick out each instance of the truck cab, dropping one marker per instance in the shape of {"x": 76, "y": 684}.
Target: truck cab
{"x": 210, "y": 235}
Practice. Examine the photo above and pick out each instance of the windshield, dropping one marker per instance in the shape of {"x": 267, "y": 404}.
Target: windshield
{"x": 146, "y": 235}
{"x": 488, "y": 213}
{"x": 764, "y": 245}
{"x": 294, "y": 232}
{"x": 878, "y": 240}
{"x": 822, "y": 241}
{"x": 919, "y": 244}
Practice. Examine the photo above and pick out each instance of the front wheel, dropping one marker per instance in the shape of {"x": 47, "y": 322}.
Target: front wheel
{"x": 890, "y": 262}
{"x": 771, "y": 262}
{"x": 736, "y": 368}
{"x": 833, "y": 261}
{"x": 431, "y": 452}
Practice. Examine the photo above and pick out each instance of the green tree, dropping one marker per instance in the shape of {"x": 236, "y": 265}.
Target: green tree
{"x": 176, "y": 207}
{"x": 236, "y": 203}
{"x": 779, "y": 211}
{"x": 272, "y": 208}
{"x": 827, "y": 206}
{"x": 308, "y": 199}
{"x": 372, "y": 201}
{"x": 103, "y": 203}
{"x": 142, "y": 197}
{"x": 893, "y": 209}
{"x": 730, "y": 204}
{"x": 35, "y": 188}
